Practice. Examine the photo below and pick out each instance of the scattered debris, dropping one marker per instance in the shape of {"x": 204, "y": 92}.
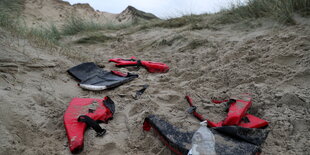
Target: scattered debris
{"x": 140, "y": 92}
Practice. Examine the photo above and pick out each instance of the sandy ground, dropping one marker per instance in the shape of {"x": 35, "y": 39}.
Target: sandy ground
{"x": 270, "y": 61}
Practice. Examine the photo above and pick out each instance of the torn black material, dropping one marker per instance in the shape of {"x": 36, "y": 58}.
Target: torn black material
{"x": 140, "y": 92}
{"x": 228, "y": 140}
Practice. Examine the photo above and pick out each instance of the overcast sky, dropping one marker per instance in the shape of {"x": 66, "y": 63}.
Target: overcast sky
{"x": 161, "y": 8}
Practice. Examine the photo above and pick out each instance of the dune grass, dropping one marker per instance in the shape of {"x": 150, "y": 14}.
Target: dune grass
{"x": 50, "y": 34}
{"x": 10, "y": 20}
{"x": 75, "y": 25}
{"x": 180, "y": 21}
{"x": 280, "y": 10}
{"x": 10, "y": 9}
{"x": 172, "y": 22}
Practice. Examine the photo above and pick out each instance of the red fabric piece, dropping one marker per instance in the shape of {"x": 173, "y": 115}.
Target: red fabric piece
{"x": 236, "y": 112}
{"x": 146, "y": 126}
{"x": 119, "y": 73}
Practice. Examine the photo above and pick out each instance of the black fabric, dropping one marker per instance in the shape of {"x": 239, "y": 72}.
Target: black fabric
{"x": 90, "y": 74}
{"x": 93, "y": 124}
{"x": 191, "y": 109}
{"x": 245, "y": 119}
{"x": 176, "y": 139}
{"x": 229, "y": 103}
{"x": 140, "y": 92}
{"x": 110, "y": 104}
{"x": 252, "y": 135}
{"x": 139, "y": 63}
{"x": 129, "y": 59}
{"x": 91, "y": 110}
{"x": 229, "y": 140}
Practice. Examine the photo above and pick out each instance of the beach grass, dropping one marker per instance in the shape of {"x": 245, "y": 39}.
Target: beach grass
{"x": 280, "y": 10}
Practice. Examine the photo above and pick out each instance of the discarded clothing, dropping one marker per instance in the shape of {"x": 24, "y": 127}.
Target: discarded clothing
{"x": 92, "y": 77}
{"x": 83, "y": 112}
{"x": 229, "y": 140}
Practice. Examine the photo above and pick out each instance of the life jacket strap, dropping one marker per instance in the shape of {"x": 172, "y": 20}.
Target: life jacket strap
{"x": 93, "y": 124}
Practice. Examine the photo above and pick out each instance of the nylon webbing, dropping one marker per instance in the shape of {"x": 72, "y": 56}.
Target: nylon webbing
{"x": 93, "y": 124}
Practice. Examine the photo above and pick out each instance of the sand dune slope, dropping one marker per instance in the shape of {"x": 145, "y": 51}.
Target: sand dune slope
{"x": 268, "y": 60}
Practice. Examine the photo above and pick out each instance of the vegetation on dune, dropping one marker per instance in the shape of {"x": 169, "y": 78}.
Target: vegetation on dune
{"x": 76, "y": 25}
{"x": 172, "y": 22}
{"x": 179, "y": 22}
{"x": 281, "y": 10}
{"x": 8, "y": 10}
{"x": 50, "y": 34}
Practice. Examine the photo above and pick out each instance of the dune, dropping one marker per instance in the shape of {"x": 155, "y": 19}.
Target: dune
{"x": 261, "y": 57}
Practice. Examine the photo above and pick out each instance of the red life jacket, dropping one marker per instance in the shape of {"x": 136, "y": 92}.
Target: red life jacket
{"x": 79, "y": 114}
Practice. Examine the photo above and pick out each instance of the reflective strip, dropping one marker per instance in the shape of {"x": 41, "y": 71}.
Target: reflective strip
{"x": 92, "y": 87}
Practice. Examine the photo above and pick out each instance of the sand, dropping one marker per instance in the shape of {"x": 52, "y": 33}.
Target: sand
{"x": 268, "y": 60}
{"x": 46, "y": 12}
